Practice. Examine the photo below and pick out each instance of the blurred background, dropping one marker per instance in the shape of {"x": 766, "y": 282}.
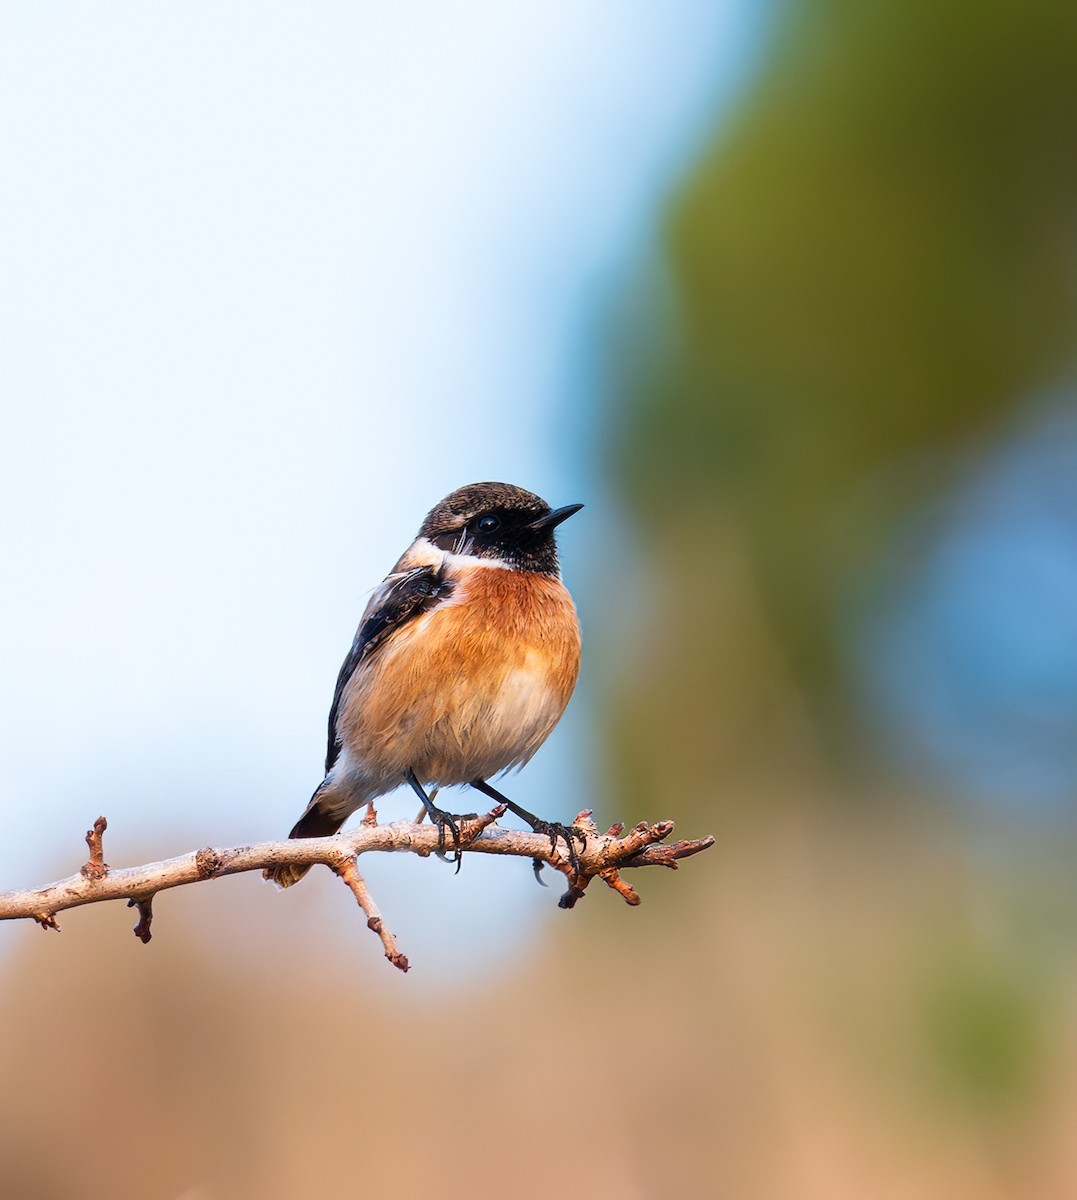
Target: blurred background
{"x": 786, "y": 294}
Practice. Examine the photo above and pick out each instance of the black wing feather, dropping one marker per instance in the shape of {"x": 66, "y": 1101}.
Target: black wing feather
{"x": 400, "y": 599}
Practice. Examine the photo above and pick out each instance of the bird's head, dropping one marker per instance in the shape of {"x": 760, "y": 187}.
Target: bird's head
{"x": 499, "y": 522}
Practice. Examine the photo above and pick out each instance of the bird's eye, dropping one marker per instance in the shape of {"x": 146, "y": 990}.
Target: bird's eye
{"x": 488, "y": 525}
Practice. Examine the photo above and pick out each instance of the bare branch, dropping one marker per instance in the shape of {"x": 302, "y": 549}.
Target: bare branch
{"x": 604, "y": 856}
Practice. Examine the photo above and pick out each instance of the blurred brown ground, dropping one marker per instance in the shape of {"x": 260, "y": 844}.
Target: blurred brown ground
{"x": 772, "y": 1022}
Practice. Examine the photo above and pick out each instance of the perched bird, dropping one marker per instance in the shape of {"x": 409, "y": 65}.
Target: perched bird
{"x": 464, "y": 661}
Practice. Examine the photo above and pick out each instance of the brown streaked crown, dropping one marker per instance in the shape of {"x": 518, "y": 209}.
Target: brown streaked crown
{"x": 498, "y": 521}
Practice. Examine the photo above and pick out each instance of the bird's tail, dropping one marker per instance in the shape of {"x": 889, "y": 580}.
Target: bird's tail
{"x": 318, "y": 821}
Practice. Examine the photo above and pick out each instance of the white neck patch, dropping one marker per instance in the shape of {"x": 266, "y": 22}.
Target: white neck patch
{"x": 423, "y": 551}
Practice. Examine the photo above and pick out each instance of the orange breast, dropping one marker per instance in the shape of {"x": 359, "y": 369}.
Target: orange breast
{"x": 470, "y": 688}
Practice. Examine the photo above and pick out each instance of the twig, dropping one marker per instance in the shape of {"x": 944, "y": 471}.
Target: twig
{"x": 348, "y": 870}
{"x": 144, "y": 905}
{"x": 96, "y": 868}
{"x": 604, "y": 857}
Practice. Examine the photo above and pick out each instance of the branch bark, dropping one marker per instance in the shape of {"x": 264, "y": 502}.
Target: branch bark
{"x": 604, "y": 857}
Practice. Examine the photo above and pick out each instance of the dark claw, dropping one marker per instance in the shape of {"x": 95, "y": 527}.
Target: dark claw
{"x": 441, "y": 818}
{"x": 555, "y": 830}
{"x": 536, "y": 865}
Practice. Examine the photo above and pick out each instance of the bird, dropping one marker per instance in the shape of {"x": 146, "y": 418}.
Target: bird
{"x": 465, "y": 659}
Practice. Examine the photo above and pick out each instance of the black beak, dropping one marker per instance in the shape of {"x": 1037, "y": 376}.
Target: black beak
{"x": 554, "y": 518}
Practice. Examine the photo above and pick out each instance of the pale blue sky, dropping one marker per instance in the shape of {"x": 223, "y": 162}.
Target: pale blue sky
{"x": 275, "y": 278}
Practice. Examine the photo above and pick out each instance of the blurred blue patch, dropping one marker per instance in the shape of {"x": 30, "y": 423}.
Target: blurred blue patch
{"x": 972, "y": 660}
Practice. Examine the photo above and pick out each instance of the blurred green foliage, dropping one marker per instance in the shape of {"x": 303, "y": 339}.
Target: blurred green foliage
{"x": 982, "y": 1024}
{"x": 870, "y": 269}
{"x": 865, "y": 281}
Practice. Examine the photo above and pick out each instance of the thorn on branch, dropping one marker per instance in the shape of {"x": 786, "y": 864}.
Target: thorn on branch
{"x": 144, "y": 904}
{"x": 639, "y": 848}
{"x": 667, "y": 856}
{"x": 626, "y": 891}
{"x": 96, "y": 867}
{"x": 474, "y": 825}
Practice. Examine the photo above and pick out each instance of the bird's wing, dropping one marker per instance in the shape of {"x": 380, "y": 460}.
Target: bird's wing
{"x": 400, "y": 598}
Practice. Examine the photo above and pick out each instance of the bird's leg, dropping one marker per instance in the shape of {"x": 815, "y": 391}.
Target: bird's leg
{"x": 438, "y": 817}
{"x": 420, "y": 817}
{"x": 552, "y": 829}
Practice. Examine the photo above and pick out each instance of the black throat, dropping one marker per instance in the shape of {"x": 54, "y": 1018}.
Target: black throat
{"x": 522, "y": 550}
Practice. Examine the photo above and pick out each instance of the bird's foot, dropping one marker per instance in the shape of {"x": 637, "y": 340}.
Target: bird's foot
{"x": 447, "y": 820}
{"x": 568, "y": 834}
